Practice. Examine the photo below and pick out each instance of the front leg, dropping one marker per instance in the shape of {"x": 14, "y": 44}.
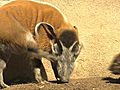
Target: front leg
{"x": 54, "y": 67}
{"x": 2, "y": 67}
{"x": 39, "y": 70}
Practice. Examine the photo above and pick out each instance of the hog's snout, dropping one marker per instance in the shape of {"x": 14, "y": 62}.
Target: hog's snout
{"x": 63, "y": 80}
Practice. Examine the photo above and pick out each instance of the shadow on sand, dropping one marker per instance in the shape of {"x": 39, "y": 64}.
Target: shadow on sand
{"x": 112, "y": 80}
{"x": 58, "y": 82}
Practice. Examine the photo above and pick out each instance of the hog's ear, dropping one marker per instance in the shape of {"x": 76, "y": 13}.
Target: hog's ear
{"x": 57, "y": 47}
{"x": 76, "y": 48}
{"x": 49, "y": 29}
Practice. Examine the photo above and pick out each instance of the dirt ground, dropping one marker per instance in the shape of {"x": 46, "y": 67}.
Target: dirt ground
{"x": 74, "y": 84}
{"x": 98, "y": 22}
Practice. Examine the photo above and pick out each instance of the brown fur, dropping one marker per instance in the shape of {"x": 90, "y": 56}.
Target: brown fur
{"x": 19, "y": 18}
{"x": 22, "y": 16}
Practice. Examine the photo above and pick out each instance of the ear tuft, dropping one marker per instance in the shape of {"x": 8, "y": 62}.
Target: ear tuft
{"x": 37, "y": 27}
{"x": 75, "y": 27}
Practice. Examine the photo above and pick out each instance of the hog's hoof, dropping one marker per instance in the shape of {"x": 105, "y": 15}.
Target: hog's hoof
{"x": 44, "y": 82}
{"x": 38, "y": 79}
{"x": 3, "y": 85}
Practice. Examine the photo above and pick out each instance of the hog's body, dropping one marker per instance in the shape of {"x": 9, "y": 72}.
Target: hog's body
{"x": 20, "y": 29}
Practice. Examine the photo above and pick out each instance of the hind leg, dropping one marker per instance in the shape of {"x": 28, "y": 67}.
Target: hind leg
{"x": 2, "y": 67}
{"x": 39, "y": 71}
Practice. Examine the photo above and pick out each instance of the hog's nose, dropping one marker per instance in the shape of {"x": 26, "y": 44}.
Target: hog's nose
{"x": 64, "y": 80}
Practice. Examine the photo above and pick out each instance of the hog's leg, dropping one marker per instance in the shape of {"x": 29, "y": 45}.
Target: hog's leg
{"x": 39, "y": 71}
{"x": 2, "y": 67}
{"x": 54, "y": 67}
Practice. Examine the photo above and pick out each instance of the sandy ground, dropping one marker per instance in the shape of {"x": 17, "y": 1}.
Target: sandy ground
{"x": 98, "y": 22}
{"x": 75, "y": 84}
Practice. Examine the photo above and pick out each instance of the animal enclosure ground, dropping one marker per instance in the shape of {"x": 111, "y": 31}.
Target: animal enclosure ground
{"x": 99, "y": 30}
{"x": 96, "y": 83}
